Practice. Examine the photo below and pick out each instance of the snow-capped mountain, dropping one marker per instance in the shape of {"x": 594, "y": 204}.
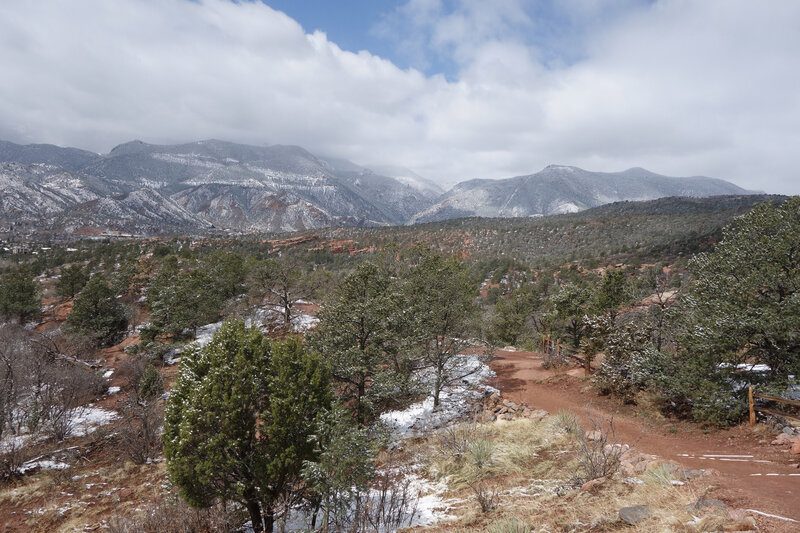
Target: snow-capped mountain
{"x": 217, "y": 185}
{"x": 564, "y": 189}
{"x": 398, "y": 193}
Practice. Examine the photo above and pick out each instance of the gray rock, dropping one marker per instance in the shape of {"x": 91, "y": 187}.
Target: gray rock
{"x": 634, "y": 514}
{"x": 707, "y": 504}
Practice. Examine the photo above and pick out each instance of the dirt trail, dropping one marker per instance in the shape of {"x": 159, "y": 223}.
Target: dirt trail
{"x": 753, "y": 474}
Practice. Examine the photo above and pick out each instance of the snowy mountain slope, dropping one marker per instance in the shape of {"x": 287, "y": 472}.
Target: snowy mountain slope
{"x": 398, "y": 192}
{"x": 234, "y": 186}
{"x": 284, "y": 188}
{"x": 30, "y": 192}
{"x": 564, "y": 189}
{"x": 66, "y": 158}
{"x": 139, "y": 211}
{"x": 408, "y": 177}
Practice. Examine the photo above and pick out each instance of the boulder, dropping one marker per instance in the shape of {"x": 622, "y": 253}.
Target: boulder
{"x": 783, "y": 439}
{"x": 634, "y": 514}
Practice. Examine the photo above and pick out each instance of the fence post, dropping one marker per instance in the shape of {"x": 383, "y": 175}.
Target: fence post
{"x": 752, "y": 406}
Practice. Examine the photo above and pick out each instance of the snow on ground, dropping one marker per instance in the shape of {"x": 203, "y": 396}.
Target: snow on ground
{"x": 14, "y": 442}
{"x": 263, "y": 317}
{"x": 84, "y": 421}
{"x": 113, "y": 390}
{"x": 88, "y": 419}
{"x": 425, "y": 507}
{"x": 43, "y": 464}
{"x": 454, "y": 402}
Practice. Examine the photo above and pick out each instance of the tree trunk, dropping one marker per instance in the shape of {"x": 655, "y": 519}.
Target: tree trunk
{"x": 437, "y": 386}
{"x": 269, "y": 519}
{"x": 359, "y": 410}
{"x": 254, "y": 509}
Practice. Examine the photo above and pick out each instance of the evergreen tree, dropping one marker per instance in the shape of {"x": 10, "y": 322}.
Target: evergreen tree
{"x": 356, "y": 336}
{"x": 226, "y": 271}
{"x": 510, "y": 322}
{"x": 282, "y": 283}
{"x": 240, "y": 418}
{"x": 611, "y": 293}
{"x": 742, "y": 309}
{"x": 73, "y": 278}
{"x": 443, "y": 312}
{"x": 570, "y": 303}
{"x": 19, "y": 296}
{"x": 186, "y": 300}
{"x": 97, "y": 313}
{"x": 341, "y": 474}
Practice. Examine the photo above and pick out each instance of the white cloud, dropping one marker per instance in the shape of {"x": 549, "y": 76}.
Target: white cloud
{"x": 680, "y": 87}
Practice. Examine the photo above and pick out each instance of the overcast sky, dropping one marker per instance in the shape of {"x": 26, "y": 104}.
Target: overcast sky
{"x": 454, "y": 89}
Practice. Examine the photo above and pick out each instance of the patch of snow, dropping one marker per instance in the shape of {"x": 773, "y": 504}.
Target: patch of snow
{"x": 43, "y": 464}
{"x": 108, "y": 373}
{"x": 302, "y": 322}
{"x": 206, "y": 333}
{"x": 454, "y": 402}
{"x": 113, "y": 390}
{"x": 14, "y": 442}
{"x": 90, "y": 418}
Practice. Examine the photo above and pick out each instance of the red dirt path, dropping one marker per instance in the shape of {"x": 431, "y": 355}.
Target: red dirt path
{"x": 743, "y": 482}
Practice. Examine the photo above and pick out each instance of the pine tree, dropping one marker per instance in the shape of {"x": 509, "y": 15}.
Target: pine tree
{"x": 356, "y": 336}
{"x": 570, "y": 303}
{"x": 73, "y": 278}
{"x": 240, "y": 417}
{"x": 611, "y": 293}
{"x": 743, "y": 308}
{"x": 186, "y": 300}
{"x": 443, "y": 311}
{"x": 97, "y": 313}
{"x": 19, "y": 296}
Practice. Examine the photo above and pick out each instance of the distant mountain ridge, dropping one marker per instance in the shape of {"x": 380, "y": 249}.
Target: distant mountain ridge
{"x": 559, "y": 189}
{"x": 216, "y": 185}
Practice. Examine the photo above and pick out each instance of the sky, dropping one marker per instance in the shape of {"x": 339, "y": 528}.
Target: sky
{"x": 452, "y": 89}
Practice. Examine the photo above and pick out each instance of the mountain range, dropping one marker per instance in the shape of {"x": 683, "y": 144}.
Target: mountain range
{"x": 214, "y": 185}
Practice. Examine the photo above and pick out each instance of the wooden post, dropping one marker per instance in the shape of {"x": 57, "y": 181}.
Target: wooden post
{"x": 752, "y": 405}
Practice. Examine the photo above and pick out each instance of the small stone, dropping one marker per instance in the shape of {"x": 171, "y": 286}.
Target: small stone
{"x": 795, "y": 448}
{"x": 737, "y": 514}
{"x": 634, "y": 514}
{"x": 788, "y": 430}
{"x": 686, "y": 475}
{"x": 593, "y": 484}
{"x": 594, "y": 435}
{"x": 708, "y": 504}
{"x": 538, "y": 414}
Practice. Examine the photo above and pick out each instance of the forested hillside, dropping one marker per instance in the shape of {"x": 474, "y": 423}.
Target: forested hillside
{"x": 358, "y": 379}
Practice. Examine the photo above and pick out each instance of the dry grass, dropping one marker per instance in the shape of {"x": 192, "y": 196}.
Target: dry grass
{"x": 531, "y": 466}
